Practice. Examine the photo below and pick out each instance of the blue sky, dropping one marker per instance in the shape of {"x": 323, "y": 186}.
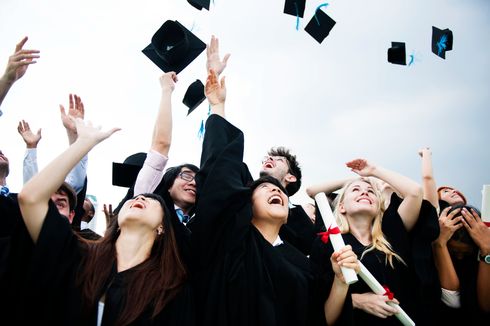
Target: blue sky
{"x": 328, "y": 102}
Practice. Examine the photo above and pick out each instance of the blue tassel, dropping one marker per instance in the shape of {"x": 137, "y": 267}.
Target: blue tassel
{"x": 200, "y": 133}
{"x": 297, "y": 15}
{"x": 318, "y": 8}
{"x": 441, "y": 45}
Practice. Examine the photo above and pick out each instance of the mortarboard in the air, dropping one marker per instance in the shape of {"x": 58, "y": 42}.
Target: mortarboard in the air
{"x": 295, "y": 7}
{"x": 173, "y": 47}
{"x": 125, "y": 174}
{"x": 442, "y": 41}
{"x": 194, "y": 96}
{"x": 199, "y": 4}
{"x": 320, "y": 25}
{"x": 397, "y": 53}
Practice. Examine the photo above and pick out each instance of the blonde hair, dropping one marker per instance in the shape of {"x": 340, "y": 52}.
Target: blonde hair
{"x": 379, "y": 241}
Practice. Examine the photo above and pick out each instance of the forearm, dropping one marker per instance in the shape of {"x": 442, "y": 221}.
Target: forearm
{"x": 483, "y": 286}
{"x": 72, "y": 136}
{"x": 218, "y": 109}
{"x": 4, "y": 88}
{"x": 445, "y": 268}
{"x": 162, "y": 131}
{"x": 77, "y": 175}
{"x": 326, "y": 187}
{"x": 335, "y": 301}
{"x": 428, "y": 181}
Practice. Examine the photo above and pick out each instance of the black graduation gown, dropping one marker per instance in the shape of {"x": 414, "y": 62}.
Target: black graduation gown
{"x": 239, "y": 277}
{"x": 54, "y": 298}
{"x": 299, "y": 231}
{"x": 399, "y": 280}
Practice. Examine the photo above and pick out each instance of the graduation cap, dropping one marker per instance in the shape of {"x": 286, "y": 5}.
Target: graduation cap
{"x": 125, "y": 174}
{"x": 173, "y": 47}
{"x": 295, "y": 7}
{"x": 320, "y": 25}
{"x": 397, "y": 53}
{"x": 442, "y": 41}
{"x": 194, "y": 96}
{"x": 199, "y": 4}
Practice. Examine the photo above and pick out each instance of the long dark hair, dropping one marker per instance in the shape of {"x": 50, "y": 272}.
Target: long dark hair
{"x": 154, "y": 283}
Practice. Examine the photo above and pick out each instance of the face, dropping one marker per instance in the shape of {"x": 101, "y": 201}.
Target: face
{"x": 451, "y": 196}
{"x": 183, "y": 191}
{"x": 89, "y": 211}
{"x": 141, "y": 210}
{"x": 360, "y": 198}
{"x": 277, "y": 167}
{"x": 62, "y": 203}
{"x": 270, "y": 203}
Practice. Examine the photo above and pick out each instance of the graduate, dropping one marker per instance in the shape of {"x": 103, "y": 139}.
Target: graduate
{"x": 133, "y": 275}
{"x": 244, "y": 274}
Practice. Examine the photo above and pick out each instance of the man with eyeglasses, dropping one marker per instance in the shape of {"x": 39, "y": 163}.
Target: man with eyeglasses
{"x": 299, "y": 231}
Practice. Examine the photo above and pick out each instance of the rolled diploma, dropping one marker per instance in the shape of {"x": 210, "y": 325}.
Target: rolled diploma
{"x": 485, "y": 204}
{"x": 377, "y": 288}
{"x": 338, "y": 243}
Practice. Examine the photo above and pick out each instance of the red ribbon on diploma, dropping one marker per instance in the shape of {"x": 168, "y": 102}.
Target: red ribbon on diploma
{"x": 388, "y": 293}
{"x": 331, "y": 230}
{"x": 487, "y": 224}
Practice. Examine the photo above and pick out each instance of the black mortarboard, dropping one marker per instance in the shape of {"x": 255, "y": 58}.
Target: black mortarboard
{"x": 442, "y": 41}
{"x": 194, "y": 95}
{"x": 320, "y": 25}
{"x": 173, "y": 47}
{"x": 199, "y": 4}
{"x": 397, "y": 53}
{"x": 125, "y": 174}
{"x": 295, "y": 7}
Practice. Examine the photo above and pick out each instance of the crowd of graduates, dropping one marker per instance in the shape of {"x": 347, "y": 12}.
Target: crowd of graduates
{"x": 211, "y": 245}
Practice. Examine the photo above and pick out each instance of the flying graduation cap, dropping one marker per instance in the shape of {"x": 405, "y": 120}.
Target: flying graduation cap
{"x": 442, "y": 41}
{"x": 173, "y": 47}
{"x": 199, "y": 4}
{"x": 397, "y": 53}
{"x": 295, "y": 7}
{"x": 194, "y": 96}
{"x": 320, "y": 25}
{"x": 125, "y": 174}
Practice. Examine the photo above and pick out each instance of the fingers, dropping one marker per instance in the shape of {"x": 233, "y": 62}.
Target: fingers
{"x": 21, "y": 44}
{"x": 225, "y": 59}
{"x": 223, "y": 86}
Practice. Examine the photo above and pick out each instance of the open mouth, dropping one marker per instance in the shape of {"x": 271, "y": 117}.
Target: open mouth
{"x": 191, "y": 191}
{"x": 275, "y": 200}
{"x": 137, "y": 204}
{"x": 364, "y": 200}
{"x": 268, "y": 165}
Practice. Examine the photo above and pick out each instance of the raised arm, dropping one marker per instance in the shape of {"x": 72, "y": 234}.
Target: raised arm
{"x": 35, "y": 195}
{"x": 30, "y": 158}
{"x": 76, "y": 177}
{"x": 428, "y": 181}
{"x": 16, "y": 67}
{"x": 448, "y": 224}
{"x": 410, "y": 190}
{"x": 326, "y": 187}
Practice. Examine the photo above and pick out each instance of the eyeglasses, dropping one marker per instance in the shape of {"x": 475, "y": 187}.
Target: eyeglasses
{"x": 187, "y": 176}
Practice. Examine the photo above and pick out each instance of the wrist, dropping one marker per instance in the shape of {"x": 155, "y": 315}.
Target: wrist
{"x": 6, "y": 81}
{"x": 31, "y": 146}
{"x": 439, "y": 243}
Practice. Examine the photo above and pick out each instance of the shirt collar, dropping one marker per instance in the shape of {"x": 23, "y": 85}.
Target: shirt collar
{"x": 277, "y": 242}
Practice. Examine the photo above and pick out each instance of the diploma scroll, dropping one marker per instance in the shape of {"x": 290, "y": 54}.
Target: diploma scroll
{"x": 377, "y": 288}
{"x": 350, "y": 275}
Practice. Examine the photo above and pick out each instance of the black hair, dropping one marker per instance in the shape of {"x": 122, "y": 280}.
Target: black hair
{"x": 293, "y": 165}
{"x": 172, "y": 173}
{"x": 267, "y": 179}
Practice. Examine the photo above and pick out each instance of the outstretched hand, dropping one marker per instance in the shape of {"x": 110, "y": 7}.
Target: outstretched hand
{"x": 214, "y": 62}
{"x": 31, "y": 139}
{"x": 75, "y": 110}
{"x": 361, "y": 167}
{"x": 19, "y": 62}
{"x": 215, "y": 90}
{"x": 87, "y": 132}
{"x": 168, "y": 80}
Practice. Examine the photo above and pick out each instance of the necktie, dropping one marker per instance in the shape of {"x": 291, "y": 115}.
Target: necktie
{"x": 182, "y": 217}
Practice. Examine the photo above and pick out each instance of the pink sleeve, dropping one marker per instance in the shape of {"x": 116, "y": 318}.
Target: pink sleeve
{"x": 151, "y": 173}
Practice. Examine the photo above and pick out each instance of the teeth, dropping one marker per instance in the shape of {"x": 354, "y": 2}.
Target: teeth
{"x": 275, "y": 200}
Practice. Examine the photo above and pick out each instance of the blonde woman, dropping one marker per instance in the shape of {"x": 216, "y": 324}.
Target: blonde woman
{"x": 379, "y": 238}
